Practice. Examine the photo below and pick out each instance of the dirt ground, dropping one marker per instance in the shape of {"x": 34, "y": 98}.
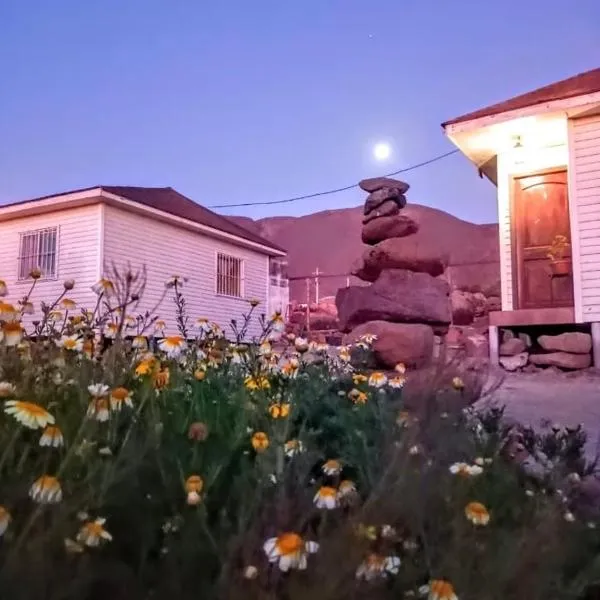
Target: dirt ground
{"x": 561, "y": 398}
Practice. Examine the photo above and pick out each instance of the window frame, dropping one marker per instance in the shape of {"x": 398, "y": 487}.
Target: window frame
{"x": 242, "y": 275}
{"x": 20, "y": 256}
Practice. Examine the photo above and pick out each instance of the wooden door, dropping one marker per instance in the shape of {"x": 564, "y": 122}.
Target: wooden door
{"x": 540, "y": 213}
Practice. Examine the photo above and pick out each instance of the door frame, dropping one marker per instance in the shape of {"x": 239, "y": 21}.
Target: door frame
{"x": 515, "y": 249}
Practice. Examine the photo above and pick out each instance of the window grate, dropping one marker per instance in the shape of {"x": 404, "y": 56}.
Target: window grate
{"x": 229, "y": 275}
{"x": 38, "y": 250}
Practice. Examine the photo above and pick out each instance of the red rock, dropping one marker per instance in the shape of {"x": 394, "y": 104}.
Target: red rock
{"x": 512, "y": 346}
{"x": 513, "y": 363}
{"x": 392, "y": 254}
{"x": 387, "y": 209}
{"x": 463, "y": 311}
{"x": 379, "y": 183}
{"x": 454, "y": 337}
{"x": 385, "y": 228}
{"x": 562, "y": 359}
{"x": 576, "y": 342}
{"x": 411, "y": 344}
{"x": 397, "y": 296}
{"x": 376, "y": 199}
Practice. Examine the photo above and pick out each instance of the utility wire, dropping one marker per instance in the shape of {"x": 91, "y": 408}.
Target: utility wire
{"x": 337, "y": 190}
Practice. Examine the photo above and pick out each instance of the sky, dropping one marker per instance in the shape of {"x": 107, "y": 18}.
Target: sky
{"x": 232, "y": 101}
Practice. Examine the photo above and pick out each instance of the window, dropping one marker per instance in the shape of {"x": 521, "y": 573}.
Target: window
{"x": 278, "y": 272}
{"x": 230, "y": 275}
{"x": 38, "y": 250}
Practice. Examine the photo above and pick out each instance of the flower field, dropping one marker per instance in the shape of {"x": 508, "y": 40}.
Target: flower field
{"x": 135, "y": 464}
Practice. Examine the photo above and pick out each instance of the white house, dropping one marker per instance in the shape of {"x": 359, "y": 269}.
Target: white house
{"x": 542, "y": 151}
{"x": 81, "y": 234}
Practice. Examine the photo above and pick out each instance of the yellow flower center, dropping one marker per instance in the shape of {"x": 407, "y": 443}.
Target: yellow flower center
{"x": 35, "y": 410}
{"x": 194, "y": 483}
{"x": 173, "y": 340}
{"x": 289, "y": 543}
{"x": 119, "y": 394}
{"x": 69, "y": 343}
{"x": 327, "y": 492}
{"x": 441, "y": 589}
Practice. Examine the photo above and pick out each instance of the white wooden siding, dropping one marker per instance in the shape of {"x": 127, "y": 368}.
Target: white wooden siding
{"x": 584, "y": 157}
{"x": 78, "y": 235}
{"x": 512, "y": 164}
{"x": 166, "y": 250}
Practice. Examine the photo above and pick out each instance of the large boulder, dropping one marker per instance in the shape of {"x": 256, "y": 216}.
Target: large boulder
{"x": 385, "y": 228}
{"x": 463, "y": 309}
{"x": 411, "y": 344}
{"x": 575, "y": 342}
{"x": 398, "y": 296}
{"x": 392, "y": 254}
{"x": 379, "y": 183}
{"x": 388, "y": 209}
{"x": 376, "y": 199}
{"x": 564, "y": 360}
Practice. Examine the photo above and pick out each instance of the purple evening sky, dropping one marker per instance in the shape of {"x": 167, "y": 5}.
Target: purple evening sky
{"x": 250, "y": 100}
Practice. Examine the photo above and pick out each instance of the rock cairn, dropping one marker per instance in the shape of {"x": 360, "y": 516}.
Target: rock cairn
{"x": 407, "y": 302}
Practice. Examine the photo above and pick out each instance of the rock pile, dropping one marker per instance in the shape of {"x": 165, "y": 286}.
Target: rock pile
{"x": 570, "y": 350}
{"x": 407, "y": 302}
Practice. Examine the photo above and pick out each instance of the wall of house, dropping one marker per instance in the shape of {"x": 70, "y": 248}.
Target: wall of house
{"x": 165, "y": 250}
{"x": 78, "y": 256}
{"x": 510, "y": 164}
{"x": 584, "y": 187}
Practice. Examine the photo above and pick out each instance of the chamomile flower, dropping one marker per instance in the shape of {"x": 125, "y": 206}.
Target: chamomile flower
{"x": 104, "y": 286}
{"x": 13, "y": 333}
{"x": 139, "y": 342}
{"x": 477, "y": 513}
{"x": 70, "y": 342}
{"x": 93, "y": 532}
{"x": 377, "y": 379}
{"x": 326, "y": 497}
{"x": 7, "y": 389}
{"x": 120, "y": 396}
{"x": 440, "y": 589}
{"x": 203, "y": 325}
{"x": 293, "y": 447}
{"x": 172, "y": 345}
{"x": 52, "y": 437}
{"x": 376, "y": 565}
{"x": 260, "y": 441}
{"x": 193, "y": 487}
{"x": 346, "y": 488}
{"x": 68, "y": 304}
{"x": 397, "y": 382}
{"x": 332, "y": 467}
{"x": 98, "y": 390}
{"x": 29, "y": 414}
{"x": 357, "y": 396}
{"x": 301, "y": 344}
{"x": 46, "y": 490}
{"x": 111, "y": 329}
{"x": 289, "y": 551}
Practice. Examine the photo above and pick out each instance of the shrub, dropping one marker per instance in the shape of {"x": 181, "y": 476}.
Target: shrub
{"x": 271, "y": 469}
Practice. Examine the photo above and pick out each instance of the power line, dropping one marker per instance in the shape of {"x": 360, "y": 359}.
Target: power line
{"x": 337, "y": 190}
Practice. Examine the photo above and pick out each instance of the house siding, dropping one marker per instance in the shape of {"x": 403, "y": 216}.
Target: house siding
{"x": 165, "y": 250}
{"x": 513, "y": 164}
{"x": 78, "y": 236}
{"x": 584, "y": 156}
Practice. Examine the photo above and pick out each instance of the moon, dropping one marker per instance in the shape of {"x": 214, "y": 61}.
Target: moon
{"x": 382, "y": 151}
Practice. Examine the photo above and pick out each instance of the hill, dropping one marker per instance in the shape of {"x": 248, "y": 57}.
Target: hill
{"x": 330, "y": 241}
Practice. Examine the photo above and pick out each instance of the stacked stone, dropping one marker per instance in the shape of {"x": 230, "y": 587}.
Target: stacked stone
{"x": 571, "y": 350}
{"x": 407, "y": 302}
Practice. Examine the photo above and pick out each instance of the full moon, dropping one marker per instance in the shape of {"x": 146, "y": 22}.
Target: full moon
{"x": 382, "y": 151}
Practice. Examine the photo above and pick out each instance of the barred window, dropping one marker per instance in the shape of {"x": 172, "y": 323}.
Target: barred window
{"x": 38, "y": 250}
{"x": 230, "y": 275}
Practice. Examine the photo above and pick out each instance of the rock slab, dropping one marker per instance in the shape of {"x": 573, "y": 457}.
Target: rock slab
{"x": 393, "y": 254}
{"x": 376, "y": 199}
{"x": 512, "y": 346}
{"x": 387, "y": 209}
{"x": 411, "y": 344}
{"x": 385, "y": 228}
{"x": 463, "y": 310}
{"x": 573, "y": 341}
{"x": 397, "y": 296}
{"x": 564, "y": 360}
{"x": 378, "y": 183}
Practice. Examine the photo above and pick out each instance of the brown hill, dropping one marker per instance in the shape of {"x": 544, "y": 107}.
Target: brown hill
{"x": 330, "y": 241}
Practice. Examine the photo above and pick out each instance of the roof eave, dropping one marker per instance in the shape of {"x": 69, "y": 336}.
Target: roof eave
{"x": 570, "y": 105}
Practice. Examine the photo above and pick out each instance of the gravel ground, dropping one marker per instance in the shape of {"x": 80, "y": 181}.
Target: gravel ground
{"x": 564, "y": 399}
